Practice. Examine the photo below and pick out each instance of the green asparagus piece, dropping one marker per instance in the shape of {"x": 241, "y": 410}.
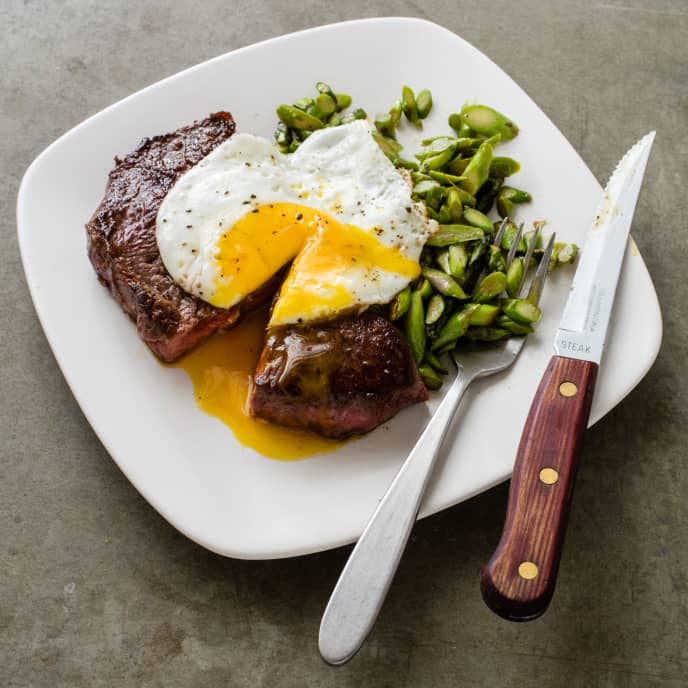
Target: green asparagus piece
{"x": 434, "y": 310}
{"x": 388, "y": 146}
{"x": 455, "y": 327}
{"x": 433, "y": 360}
{"x": 507, "y": 197}
{"x": 495, "y": 259}
{"x": 450, "y": 180}
{"x": 414, "y": 326}
{"x": 475, "y": 218}
{"x": 486, "y": 334}
{"x": 506, "y": 323}
{"x": 458, "y": 259}
{"x": 566, "y": 253}
{"x": 484, "y": 315}
{"x": 454, "y": 205}
{"x": 444, "y": 283}
{"x": 443, "y": 215}
{"x": 430, "y": 377}
{"x": 439, "y": 144}
{"x": 410, "y": 106}
{"x": 442, "y": 259}
{"x": 385, "y": 125}
{"x": 326, "y": 103}
{"x": 434, "y": 162}
{"x": 424, "y": 185}
{"x": 455, "y": 121}
{"x": 297, "y": 119}
{"x": 514, "y": 275}
{"x": 435, "y": 196}
{"x": 343, "y": 100}
{"x": 490, "y": 286}
{"x": 478, "y": 251}
{"x": 424, "y": 103}
{"x": 478, "y": 169}
{"x": 282, "y": 135}
{"x": 454, "y": 234}
{"x": 510, "y": 232}
{"x": 322, "y": 87}
{"x": 425, "y": 289}
{"x": 486, "y": 195}
{"x": 395, "y": 112}
{"x": 406, "y": 164}
{"x": 400, "y": 303}
{"x": 444, "y": 177}
{"x": 521, "y": 310}
{"x": 488, "y": 122}
{"x": 457, "y": 166}
{"x": 503, "y": 167}
{"x": 303, "y": 103}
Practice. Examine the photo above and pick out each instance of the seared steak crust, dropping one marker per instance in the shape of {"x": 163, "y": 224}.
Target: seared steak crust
{"x": 340, "y": 378}
{"x": 123, "y": 249}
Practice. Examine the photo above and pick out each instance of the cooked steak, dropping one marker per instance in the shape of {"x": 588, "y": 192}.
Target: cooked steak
{"x": 124, "y": 251}
{"x": 338, "y": 379}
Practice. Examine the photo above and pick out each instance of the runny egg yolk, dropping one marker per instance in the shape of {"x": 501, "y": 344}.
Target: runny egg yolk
{"x": 220, "y": 370}
{"x": 323, "y": 250}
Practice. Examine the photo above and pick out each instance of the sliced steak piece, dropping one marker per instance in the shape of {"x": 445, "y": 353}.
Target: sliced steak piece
{"x": 124, "y": 252}
{"x": 338, "y": 379}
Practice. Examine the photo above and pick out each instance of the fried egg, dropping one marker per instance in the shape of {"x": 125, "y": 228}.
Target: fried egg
{"x": 336, "y": 208}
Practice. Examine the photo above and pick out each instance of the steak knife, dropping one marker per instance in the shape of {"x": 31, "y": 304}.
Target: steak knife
{"x": 518, "y": 581}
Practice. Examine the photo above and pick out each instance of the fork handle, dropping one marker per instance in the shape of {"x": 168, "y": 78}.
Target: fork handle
{"x": 365, "y": 580}
{"x": 518, "y": 581}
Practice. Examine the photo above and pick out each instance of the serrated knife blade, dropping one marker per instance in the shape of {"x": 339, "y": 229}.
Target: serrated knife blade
{"x": 518, "y": 581}
{"x": 583, "y": 328}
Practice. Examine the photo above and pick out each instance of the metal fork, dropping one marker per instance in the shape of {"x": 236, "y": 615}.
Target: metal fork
{"x": 363, "y": 584}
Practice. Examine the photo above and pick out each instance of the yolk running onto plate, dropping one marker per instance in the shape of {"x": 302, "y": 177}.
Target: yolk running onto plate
{"x": 268, "y": 237}
{"x": 220, "y": 369}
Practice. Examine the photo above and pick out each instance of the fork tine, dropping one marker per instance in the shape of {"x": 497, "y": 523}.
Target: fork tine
{"x": 514, "y": 245}
{"x": 529, "y": 254}
{"x": 541, "y": 273}
{"x": 500, "y": 232}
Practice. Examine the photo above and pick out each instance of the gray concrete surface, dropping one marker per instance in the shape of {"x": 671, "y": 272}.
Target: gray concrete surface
{"x": 97, "y": 590}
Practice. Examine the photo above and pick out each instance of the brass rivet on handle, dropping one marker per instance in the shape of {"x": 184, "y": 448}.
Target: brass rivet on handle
{"x": 527, "y": 570}
{"x": 549, "y": 476}
{"x": 568, "y": 389}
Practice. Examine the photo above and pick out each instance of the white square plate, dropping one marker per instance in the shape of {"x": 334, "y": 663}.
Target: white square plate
{"x": 187, "y": 464}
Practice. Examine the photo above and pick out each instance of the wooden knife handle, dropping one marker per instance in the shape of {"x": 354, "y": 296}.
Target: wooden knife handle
{"x": 518, "y": 581}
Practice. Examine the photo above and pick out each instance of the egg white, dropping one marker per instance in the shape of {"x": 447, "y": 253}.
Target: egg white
{"x": 339, "y": 171}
